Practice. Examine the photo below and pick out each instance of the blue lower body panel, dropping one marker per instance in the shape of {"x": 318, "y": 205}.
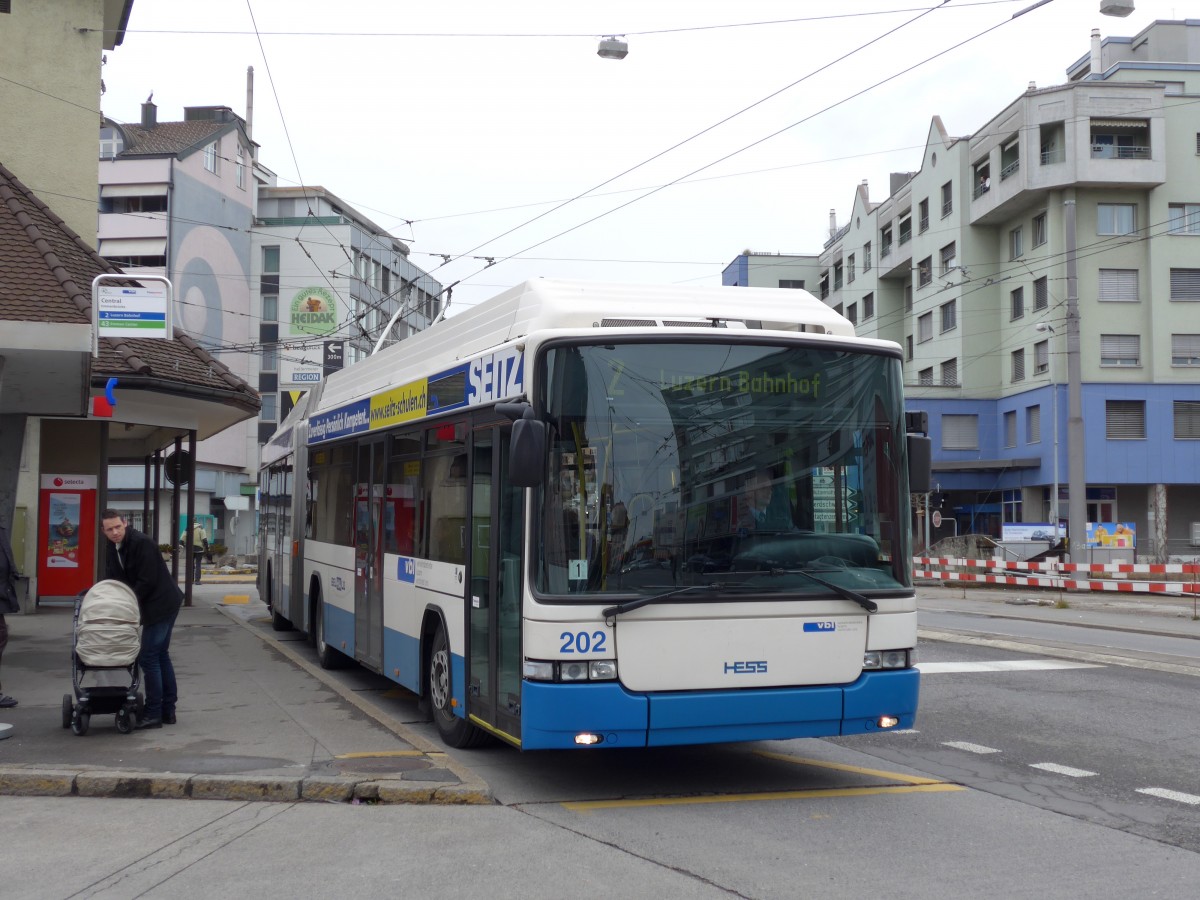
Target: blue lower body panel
{"x": 339, "y": 629}
{"x": 552, "y": 714}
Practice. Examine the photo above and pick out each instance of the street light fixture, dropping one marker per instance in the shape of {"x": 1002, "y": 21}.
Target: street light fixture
{"x": 612, "y": 47}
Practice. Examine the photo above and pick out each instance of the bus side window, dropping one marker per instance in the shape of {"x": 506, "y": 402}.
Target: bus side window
{"x": 444, "y": 497}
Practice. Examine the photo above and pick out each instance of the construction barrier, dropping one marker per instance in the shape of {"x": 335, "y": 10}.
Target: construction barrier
{"x": 1178, "y": 578}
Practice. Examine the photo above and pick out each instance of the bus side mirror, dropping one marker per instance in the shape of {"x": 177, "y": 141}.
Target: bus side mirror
{"x": 920, "y": 463}
{"x": 527, "y": 451}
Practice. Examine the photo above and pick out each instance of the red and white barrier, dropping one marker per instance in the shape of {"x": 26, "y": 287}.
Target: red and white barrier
{"x": 1050, "y": 574}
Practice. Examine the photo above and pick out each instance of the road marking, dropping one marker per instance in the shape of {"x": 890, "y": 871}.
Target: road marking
{"x": 1062, "y": 770}
{"x": 969, "y": 747}
{"x": 368, "y": 754}
{"x": 236, "y": 599}
{"x": 1002, "y": 665}
{"x": 1179, "y": 796}
{"x": 843, "y": 767}
{"x": 590, "y": 805}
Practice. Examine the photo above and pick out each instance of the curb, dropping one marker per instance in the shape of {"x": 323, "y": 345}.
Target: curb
{"x": 21, "y": 782}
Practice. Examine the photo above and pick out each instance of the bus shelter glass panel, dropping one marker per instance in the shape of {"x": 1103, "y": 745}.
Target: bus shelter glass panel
{"x": 739, "y": 466}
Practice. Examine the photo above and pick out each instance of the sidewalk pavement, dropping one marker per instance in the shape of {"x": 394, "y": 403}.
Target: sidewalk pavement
{"x": 257, "y": 719}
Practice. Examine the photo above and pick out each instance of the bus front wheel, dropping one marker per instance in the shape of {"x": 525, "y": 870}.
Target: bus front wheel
{"x": 455, "y": 731}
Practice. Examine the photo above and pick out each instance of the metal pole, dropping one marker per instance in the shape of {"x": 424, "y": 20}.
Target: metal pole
{"x": 1076, "y": 476}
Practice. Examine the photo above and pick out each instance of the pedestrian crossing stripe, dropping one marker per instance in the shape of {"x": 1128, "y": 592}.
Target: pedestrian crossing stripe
{"x": 1002, "y": 665}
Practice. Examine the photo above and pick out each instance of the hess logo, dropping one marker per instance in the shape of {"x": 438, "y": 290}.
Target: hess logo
{"x": 746, "y": 667}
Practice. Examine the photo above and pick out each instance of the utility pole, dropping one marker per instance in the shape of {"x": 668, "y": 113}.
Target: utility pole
{"x": 1076, "y": 480}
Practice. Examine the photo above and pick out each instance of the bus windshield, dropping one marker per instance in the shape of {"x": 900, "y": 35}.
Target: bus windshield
{"x": 734, "y": 466}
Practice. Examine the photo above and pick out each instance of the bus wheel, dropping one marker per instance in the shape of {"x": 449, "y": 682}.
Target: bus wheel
{"x": 455, "y": 731}
{"x": 328, "y": 657}
{"x": 279, "y": 623}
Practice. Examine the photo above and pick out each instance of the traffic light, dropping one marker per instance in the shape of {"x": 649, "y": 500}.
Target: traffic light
{"x": 937, "y": 500}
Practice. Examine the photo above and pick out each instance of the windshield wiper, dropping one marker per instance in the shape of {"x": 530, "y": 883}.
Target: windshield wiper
{"x": 865, "y": 602}
{"x": 630, "y": 605}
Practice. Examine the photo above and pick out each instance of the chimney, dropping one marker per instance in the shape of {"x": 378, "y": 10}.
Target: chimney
{"x": 1096, "y": 64}
{"x": 250, "y": 102}
{"x": 149, "y": 112}
{"x": 1032, "y": 86}
{"x": 833, "y": 223}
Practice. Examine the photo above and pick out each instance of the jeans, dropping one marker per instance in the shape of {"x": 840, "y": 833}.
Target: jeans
{"x": 158, "y": 675}
{"x": 196, "y": 557}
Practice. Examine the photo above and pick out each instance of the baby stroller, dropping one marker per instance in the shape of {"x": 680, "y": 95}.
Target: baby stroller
{"x": 105, "y": 642}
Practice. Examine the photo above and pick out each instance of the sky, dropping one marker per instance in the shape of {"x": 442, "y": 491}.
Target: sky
{"x": 478, "y": 130}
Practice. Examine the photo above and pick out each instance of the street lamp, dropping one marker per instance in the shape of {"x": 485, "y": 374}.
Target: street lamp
{"x": 612, "y": 47}
{"x": 1044, "y": 327}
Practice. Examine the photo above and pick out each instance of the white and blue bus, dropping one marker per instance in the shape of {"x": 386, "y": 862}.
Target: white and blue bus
{"x": 601, "y": 515}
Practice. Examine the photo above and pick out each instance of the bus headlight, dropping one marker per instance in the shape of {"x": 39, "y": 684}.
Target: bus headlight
{"x": 889, "y": 659}
{"x": 584, "y": 670}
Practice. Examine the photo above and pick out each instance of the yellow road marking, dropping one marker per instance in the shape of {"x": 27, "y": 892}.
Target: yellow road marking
{"x": 236, "y": 599}
{"x": 378, "y": 753}
{"x": 842, "y": 767}
{"x": 935, "y": 787}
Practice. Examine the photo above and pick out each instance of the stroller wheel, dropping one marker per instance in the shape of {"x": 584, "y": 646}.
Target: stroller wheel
{"x": 68, "y": 710}
{"x": 124, "y": 722}
{"x": 80, "y": 723}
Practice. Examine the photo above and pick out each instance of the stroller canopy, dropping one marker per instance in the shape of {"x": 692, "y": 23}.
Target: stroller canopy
{"x": 107, "y": 632}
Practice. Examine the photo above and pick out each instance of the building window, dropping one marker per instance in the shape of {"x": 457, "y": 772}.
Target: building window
{"x": 1120, "y": 350}
{"x": 270, "y": 358}
{"x": 950, "y": 372}
{"x": 1033, "y": 424}
{"x": 1010, "y": 428}
{"x": 925, "y": 271}
{"x": 1119, "y": 285}
{"x": 269, "y": 281}
{"x": 1185, "y": 349}
{"x": 270, "y": 308}
{"x": 960, "y": 432}
{"x": 269, "y": 407}
{"x": 210, "y": 157}
{"x": 1039, "y": 229}
{"x": 926, "y": 376}
{"x": 795, "y": 284}
{"x": 1125, "y": 420}
{"x": 1187, "y": 420}
{"x": 1014, "y": 244}
{"x": 1116, "y": 218}
{"x": 1185, "y": 284}
{"x": 1120, "y": 139}
{"x": 241, "y": 167}
{"x": 850, "y": 268}
{"x": 949, "y": 258}
{"x": 1041, "y": 357}
{"x": 1011, "y": 504}
{"x": 925, "y": 328}
{"x": 908, "y": 291}
{"x": 1018, "y": 365}
{"x": 111, "y": 142}
{"x": 908, "y": 347}
{"x": 824, "y": 284}
{"x": 949, "y": 316}
{"x": 837, "y": 276}
{"x": 885, "y": 242}
{"x": 867, "y": 256}
{"x": 947, "y": 199}
{"x": 1041, "y": 293}
{"x": 1184, "y": 218}
{"x": 869, "y": 306}
{"x": 852, "y": 313}
{"x": 1017, "y": 308}
{"x": 905, "y": 229}
{"x": 923, "y": 216}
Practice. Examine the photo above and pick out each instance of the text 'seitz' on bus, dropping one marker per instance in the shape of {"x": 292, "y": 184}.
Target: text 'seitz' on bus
{"x": 602, "y": 515}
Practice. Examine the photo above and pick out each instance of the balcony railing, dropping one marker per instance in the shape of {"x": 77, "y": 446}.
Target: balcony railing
{"x": 1011, "y": 169}
{"x": 1109, "y": 151}
{"x": 1049, "y": 157}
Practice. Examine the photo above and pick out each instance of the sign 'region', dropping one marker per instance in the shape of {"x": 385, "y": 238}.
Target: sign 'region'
{"x": 129, "y": 312}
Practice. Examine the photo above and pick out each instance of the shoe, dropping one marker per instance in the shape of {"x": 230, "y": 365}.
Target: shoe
{"x": 7, "y": 702}
{"x": 168, "y": 718}
{"x": 156, "y": 722}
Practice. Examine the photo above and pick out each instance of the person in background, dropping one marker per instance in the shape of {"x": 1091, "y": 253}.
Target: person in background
{"x": 133, "y": 558}
{"x": 199, "y": 547}
{"x": 9, "y": 603}
{"x": 766, "y": 509}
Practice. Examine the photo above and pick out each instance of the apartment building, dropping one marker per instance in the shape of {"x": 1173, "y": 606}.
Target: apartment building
{"x": 327, "y": 281}
{"x": 966, "y": 265}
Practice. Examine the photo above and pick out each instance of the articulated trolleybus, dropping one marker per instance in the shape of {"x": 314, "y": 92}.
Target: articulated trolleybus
{"x": 600, "y": 515}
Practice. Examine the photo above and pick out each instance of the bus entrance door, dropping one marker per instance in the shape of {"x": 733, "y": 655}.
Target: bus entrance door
{"x": 368, "y": 554}
{"x": 494, "y": 598}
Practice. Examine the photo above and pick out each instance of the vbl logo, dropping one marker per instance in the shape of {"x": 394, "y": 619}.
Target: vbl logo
{"x": 747, "y": 667}
{"x": 406, "y": 569}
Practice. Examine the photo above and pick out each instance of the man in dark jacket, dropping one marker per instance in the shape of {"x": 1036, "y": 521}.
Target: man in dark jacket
{"x": 9, "y": 602}
{"x": 136, "y": 560}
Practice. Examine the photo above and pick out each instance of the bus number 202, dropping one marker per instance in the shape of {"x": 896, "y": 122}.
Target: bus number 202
{"x": 582, "y": 642}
